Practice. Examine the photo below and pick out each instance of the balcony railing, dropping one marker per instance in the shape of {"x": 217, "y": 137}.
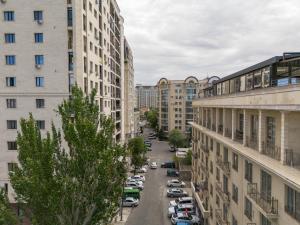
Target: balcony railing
{"x": 225, "y": 166}
{"x": 200, "y": 192}
{"x": 252, "y": 142}
{"x": 228, "y": 133}
{"x": 220, "y": 129}
{"x": 238, "y": 136}
{"x": 292, "y": 158}
{"x": 272, "y": 151}
{"x": 204, "y": 168}
{"x": 225, "y": 195}
{"x": 267, "y": 203}
{"x": 222, "y": 220}
{"x": 213, "y": 127}
{"x": 204, "y": 147}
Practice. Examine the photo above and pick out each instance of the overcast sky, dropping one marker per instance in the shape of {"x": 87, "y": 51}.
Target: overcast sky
{"x": 178, "y": 38}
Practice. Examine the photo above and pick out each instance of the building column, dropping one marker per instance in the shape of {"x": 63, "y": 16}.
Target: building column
{"x": 211, "y": 118}
{"x": 233, "y": 122}
{"x": 284, "y": 135}
{"x": 217, "y": 118}
{"x": 206, "y": 117}
{"x": 261, "y": 130}
{"x": 202, "y": 116}
{"x": 224, "y": 119}
{"x": 246, "y": 126}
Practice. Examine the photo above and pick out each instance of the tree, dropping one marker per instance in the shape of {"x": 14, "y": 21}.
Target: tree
{"x": 152, "y": 118}
{"x": 137, "y": 150}
{"x": 176, "y": 138}
{"x": 188, "y": 158}
{"x": 7, "y": 216}
{"x": 78, "y": 184}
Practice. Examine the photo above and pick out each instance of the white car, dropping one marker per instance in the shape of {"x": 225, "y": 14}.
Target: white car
{"x": 175, "y": 183}
{"x": 153, "y": 165}
{"x": 134, "y": 185}
{"x": 138, "y": 177}
{"x": 185, "y": 217}
{"x": 183, "y": 200}
{"x": 140, "y": 183}
{"x": 188, "y": 208}
{"x": 130, "y": 202}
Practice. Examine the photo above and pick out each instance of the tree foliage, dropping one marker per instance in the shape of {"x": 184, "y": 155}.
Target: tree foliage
{"x": 152, "y": 118}
{"x": 7, "y": 216}
{"x": 176, "y": 138}
{"x": 137, "y": 150}
{"x": 74, "y": 180}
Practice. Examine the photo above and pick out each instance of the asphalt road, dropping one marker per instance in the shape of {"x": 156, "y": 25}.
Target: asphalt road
{"x": 154, "y": 203}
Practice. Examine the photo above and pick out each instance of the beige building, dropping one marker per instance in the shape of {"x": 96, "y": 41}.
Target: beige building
{"x": 129, "y": 97}
{"x": 175, "y": 102}
{"x": 48, "y": 46}
{"x": 146, "y": 97}
{"x": 246, "y": 155}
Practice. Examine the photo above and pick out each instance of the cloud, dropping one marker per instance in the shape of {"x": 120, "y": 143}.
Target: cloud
{"x": 174, "y": 39}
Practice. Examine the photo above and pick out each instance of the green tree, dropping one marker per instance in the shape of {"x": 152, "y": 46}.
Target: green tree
{"x": 152, "y": 118}
{"x": 74, "y": 181}
{"x": 188, "y": 158}
{"x": 7, "y": 216}
{"x": 137, "y": 150}
{"x": 176, "y": 138}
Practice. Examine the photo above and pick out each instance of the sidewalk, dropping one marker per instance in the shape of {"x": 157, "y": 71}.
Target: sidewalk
{"x": 126, "y": 213}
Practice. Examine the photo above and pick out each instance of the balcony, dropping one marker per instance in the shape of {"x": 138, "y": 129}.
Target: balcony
{"x": 221, "y": 220}
{"x": 272, "y": 151}
{"x": 225, "y": 166}
{"x": 213, "y": 127}
{"x": 292, "y": 158}
{"x": 252, "y": 142}
{"x": 204, "y": 148}
{"x": 220, "y": 129}
{"x": 268, "y": 205}
{"x": 204, "y": 168}
{"x": 238, "y": 136}
{"x": 228, "y": 133}
{"x": 200, "y": 192}
{"x": 225, "y": 195}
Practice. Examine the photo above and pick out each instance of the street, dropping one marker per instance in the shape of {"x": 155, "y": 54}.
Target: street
{"x": 154, "y": 203}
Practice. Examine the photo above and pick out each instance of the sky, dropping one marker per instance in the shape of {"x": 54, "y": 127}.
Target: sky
{"x": 179, "y": 38}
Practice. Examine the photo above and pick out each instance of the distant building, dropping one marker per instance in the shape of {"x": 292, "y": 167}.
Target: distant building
{"x": 175, "y": 102}
{"x": 146, "y": 96}
{"x": 246, "y": 154}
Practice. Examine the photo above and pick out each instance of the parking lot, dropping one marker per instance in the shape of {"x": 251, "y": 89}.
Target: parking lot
{"x": 153, "y": 206}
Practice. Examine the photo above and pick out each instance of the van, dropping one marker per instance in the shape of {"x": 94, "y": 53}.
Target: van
{"x": 130, "y": 192}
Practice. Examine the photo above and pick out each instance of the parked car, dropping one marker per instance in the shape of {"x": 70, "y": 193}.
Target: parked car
{"x": 188, "y": 208}
{"x": 131, "y": 192}
{"x": 173, "y": 149}
{"x": 185, "y": 217}
{"x": 169, "y": 164}
{"x": 172, "y": 173}
{"x": 142, "y": 170}
{"x": 183, "y": 223}
{"x": 148, "y": 143}
{"x": 183, "y": 200}
{"x": 176, "y": 192}
{"x": 150, "y": 137}
{"x": 175, "y": 183}
{"x": 153, "y": 165}
{"x": 138, "y": 177}
{"x": 130, "y": 202}
{"x": 134, "y": 185}
{"x": 140, "y": 183}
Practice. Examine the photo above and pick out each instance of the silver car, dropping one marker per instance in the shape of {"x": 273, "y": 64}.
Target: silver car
{"x": 175, "y": 183}
{"x": 130, "y": 202}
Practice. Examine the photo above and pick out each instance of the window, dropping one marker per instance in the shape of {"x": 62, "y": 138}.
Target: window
{"x": 235, "y": 193}
{"x": 9, "y": 15}
{"x": 38, "y": 15}
{"x": 11, "y": 124}
{"x": 211, "y": 167}
{"x": 11, "y": 103}
{"x": 40, "y": 124}
{"x": 12, "y": 145}
{"x": 11, "y": 81}
{"x": 10, "y": 38}
{"x": 39, "y": 59}
{"x": 10, "y": 59}
{"x": 40, "y": 103}
{"x": 38, "y": 37}
{"x": 248, "y": 171}
{"x": 234, "y": 221}
{"x": 39, "y": 81}
{"x": 264, "y": 220}
{"x": 270, "y": 131}
{"x": 218, "y": 174}
{"x": 292, "y": 202}
{"x": 248, "y": 209}
{"x": 70, "y": 17}
{"x": 12, "y": 166}
{"x": 235, "y": 161}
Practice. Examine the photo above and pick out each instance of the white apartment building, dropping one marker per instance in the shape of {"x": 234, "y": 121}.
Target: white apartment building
{"x": 246, "y": 155}
{"x": 129, "y": 97}
{"x": 48, "y": 46}
{"x": 146, "y": 96}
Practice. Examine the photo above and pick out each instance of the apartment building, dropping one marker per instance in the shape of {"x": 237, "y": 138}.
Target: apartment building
{"x": 175, "y": 102}
{"x": 146, "y": 96}
{"x": 48, "y": 46}
{"x": 129, "y": 90}
{"x": 246, "y": 156}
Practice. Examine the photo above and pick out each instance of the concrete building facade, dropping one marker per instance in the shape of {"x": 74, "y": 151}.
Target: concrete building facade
{"x": 246, "y": 153}
{"x": 175, "y": 102}
{"x": 146, "y": 96}
{"x": 47, "y": 47}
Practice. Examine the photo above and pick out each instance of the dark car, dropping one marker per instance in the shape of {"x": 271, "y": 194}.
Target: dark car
{"x": 169, "y": 164}
{"x": 173, "y": 149}
{"x": 172, "y": 173}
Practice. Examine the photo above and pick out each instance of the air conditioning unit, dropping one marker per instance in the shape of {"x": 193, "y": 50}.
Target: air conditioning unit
{"x": 38, "y": 66}
{"x": 3, "y": 1}
{"x": 40, "y": 22}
